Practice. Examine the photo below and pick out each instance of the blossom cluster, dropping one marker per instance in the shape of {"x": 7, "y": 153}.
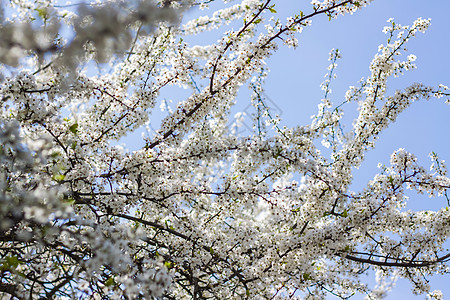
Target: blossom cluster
{"x": 105, "y": 27}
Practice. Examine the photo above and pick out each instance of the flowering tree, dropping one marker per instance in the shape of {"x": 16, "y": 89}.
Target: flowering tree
{"x": 198, "y": 211}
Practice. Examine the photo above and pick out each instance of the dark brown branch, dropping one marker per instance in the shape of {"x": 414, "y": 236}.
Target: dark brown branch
{"x": 403, "y": 263}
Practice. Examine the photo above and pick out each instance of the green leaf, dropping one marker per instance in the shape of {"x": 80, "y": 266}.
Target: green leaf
{"x": 10, "y": 263}
{"x": 74, "y": 128}
{"x": 54, "y": 154}
{"x": 344, "y": 214}
{"x": 13, "y": 261}
{"x": 109, "y": 281}
{"x": 306, "y": 276}
{"x": 42, "y": 13}
{"x": 58, "y": 177}
{"x": 272, "y": 10}
{"x": 277, "y": 154}
{"x": 69, "y": 200}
